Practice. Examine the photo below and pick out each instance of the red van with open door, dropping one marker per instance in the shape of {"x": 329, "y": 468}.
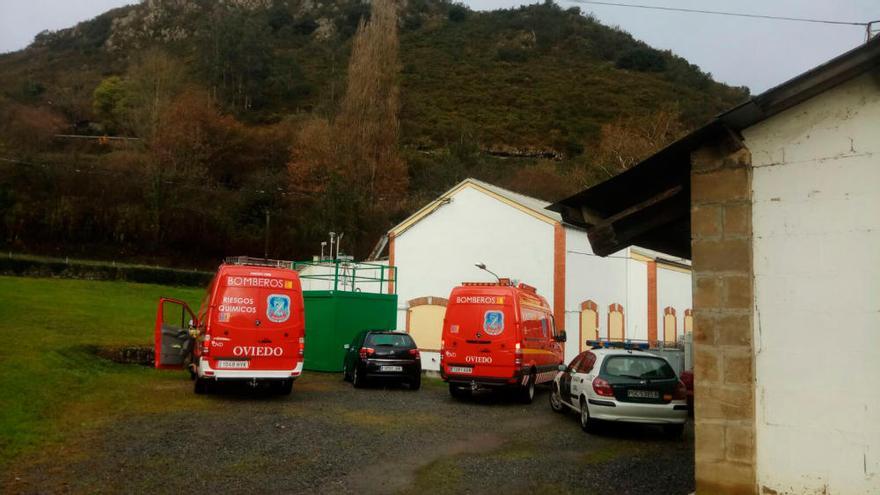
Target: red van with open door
{"x": 499, "y": 335}
{"x": 250, "y": 327}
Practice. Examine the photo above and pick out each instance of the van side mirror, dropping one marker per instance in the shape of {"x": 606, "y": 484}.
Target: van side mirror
{"x": 560, "y": 337}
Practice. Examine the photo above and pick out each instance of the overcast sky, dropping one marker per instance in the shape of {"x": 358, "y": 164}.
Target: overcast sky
{"x": 744, "y": 52}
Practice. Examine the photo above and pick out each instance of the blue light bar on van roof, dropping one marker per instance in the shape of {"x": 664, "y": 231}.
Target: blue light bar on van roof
{"x": 616, "y": 344}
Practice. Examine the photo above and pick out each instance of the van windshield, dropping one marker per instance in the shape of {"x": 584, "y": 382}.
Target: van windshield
{"x": 638, "y": 367}
{"x": 390, "y": 340}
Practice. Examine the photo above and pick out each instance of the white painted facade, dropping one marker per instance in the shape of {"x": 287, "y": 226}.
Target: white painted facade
{"x": 514, "y": 236}
{"x": 816, "y": 228}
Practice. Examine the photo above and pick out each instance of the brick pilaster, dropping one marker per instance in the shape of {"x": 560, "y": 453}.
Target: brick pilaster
{"x": 721, "y": 230}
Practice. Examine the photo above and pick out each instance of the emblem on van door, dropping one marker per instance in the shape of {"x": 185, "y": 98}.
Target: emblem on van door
{"x": 493, "y": 322}
{"x": 278, "y": 308}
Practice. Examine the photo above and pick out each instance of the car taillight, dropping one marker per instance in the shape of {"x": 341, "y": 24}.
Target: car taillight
{"x": 206, "y": 345}
{"x": 442, "y": 351}
{"x": 602, "y": 387}
{"x": 302, "y": 346}
{"x": 415, "y": 353}
{"x": 681, "y": 392}
{"x": 517, "y": 356}
{"x": 366, "y": 351}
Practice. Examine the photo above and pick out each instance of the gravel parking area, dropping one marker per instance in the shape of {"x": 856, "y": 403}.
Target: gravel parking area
{"x": 328, "y": 437}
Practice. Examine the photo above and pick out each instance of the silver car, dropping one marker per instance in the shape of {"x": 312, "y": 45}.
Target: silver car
{"x": 626, "y": 385}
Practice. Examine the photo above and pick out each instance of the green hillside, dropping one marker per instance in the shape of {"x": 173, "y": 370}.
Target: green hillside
{"x": 528, "y": 98}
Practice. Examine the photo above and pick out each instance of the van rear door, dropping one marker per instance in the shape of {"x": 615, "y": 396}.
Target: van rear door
{"x": 481, "y": 334}
{"x": 257, "y": 322}
{"x": 172, "y": 340}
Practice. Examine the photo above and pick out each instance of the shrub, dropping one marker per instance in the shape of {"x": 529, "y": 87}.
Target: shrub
{"x": 642, "y": 59}
{"x": 457, "y": 12}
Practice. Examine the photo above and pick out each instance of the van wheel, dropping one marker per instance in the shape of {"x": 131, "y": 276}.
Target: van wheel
{"x": 587, "y": 424}
{"x": 527, "y": 393}
{"x": 556, "y": 400}
{"x": 357, "y": 379}
{"x": 457, "y": 392}
{"x": 201, "y": 386}
{"x": 283, "y": 387}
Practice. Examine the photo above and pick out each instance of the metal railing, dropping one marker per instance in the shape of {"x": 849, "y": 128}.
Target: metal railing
{"x": 350, "y": 276}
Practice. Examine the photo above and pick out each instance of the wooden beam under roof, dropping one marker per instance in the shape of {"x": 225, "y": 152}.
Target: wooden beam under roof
{"x": 650, "y": 216}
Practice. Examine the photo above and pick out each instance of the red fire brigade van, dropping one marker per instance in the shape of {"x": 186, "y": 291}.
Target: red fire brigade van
{"x": 250, "y": 327}
{"x": 499, "y": 335}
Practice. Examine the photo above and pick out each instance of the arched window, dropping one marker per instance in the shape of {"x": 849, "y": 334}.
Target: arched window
{"x": 589, "y": 323}
{"x": 670, "y": 325}
{"x": 616, "y": 323}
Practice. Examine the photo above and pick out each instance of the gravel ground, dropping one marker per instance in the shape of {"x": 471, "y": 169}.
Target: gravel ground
{"x": 328, "y": 437}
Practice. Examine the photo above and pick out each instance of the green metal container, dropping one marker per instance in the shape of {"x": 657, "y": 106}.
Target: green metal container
{"x": 333, "y": 318}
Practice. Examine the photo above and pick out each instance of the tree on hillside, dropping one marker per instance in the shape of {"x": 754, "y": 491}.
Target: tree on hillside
{"x": 369, "y": 114}
{"x": 237, "y": 43}
{"x": 152, "y": 83}
{"x": 626, "y": 141}
{"x": 27, "y": 128}
{"x": 351, "y": 168}
{"x": 133, "y": 104}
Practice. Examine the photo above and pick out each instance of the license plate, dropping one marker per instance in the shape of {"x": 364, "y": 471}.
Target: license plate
{"x": 233, "y": 364}
{"x": 460, "y": 369}
{"x": 390, "y": 368}
{"x": 643, "y": 394}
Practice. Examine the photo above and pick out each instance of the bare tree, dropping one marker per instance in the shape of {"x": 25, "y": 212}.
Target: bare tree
{"x": 625, "y": 142}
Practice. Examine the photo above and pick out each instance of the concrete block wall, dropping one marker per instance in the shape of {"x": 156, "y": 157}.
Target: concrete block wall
{"x": 724, "y": 389}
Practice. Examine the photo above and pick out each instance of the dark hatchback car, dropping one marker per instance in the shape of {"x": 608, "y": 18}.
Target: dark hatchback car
{"x": 383, "y": 355}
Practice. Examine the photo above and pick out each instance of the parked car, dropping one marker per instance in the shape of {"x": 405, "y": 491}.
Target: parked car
{"x": 383, "y": 355}
{"x": 626, "y": 385}
{"x": 250, "y": 328}
{"x": 499, "y": 336}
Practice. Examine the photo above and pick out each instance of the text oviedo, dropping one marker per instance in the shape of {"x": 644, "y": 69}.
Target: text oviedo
{"x": 250, "y": 350}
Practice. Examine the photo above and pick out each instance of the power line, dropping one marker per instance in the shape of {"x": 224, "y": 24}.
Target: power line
{"x": 718, "y": 12}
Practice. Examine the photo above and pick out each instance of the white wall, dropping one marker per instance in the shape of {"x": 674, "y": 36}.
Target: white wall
{"x": 590, "y": 277}
{"x": 439, "y": 252}
{"x": 673, "y": 290}
{"x": 635, "y": 309}
{"x": 816, "y": 223}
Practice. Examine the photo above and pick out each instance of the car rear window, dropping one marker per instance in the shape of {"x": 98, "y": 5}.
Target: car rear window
{"x": 390, "y": 340}
{"x": 638, "y": 367}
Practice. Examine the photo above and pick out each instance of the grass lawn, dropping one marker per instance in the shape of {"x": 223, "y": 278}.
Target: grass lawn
{"x": 50, "y": 382}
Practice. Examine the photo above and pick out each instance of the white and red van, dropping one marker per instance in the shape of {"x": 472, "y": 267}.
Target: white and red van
{"x": 250, "y": 327}
{"x": 499, "y": 335}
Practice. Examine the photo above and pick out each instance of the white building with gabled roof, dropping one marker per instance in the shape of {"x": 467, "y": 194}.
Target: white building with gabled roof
{"x": 635, "y": 294}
